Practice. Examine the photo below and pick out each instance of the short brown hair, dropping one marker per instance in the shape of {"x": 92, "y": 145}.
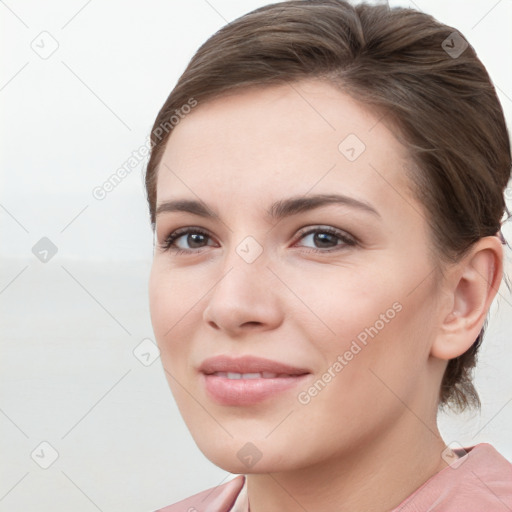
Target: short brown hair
{"x": 396, "y": 61}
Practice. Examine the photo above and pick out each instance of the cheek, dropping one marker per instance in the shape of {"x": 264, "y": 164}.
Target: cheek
{"x": 342, "y": 303}
{"x": 172, "y": 297}
{"x": 171, "y": 306}
{"x": 367, "y": 379}
{"x": 160, "y": 302}
{"x": 375, "y": 334}
{"x": 169, "y": 318}
{"x": 390, "y": 369}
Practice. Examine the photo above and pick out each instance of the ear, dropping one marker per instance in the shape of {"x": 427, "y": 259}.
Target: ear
{"x": 471, "y": 285}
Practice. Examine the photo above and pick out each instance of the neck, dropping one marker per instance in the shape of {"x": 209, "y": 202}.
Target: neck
{"x": 375, "y": 477}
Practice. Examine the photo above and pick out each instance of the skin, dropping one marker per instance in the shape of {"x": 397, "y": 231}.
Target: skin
{"x": 369, "y": 438}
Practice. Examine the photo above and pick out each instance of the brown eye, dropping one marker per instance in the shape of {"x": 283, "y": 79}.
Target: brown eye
{"x": 326, "y": 238}
{"x": 186, "y": 240}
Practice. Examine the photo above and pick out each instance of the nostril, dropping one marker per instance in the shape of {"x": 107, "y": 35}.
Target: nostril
{"x": 252, "y": 324}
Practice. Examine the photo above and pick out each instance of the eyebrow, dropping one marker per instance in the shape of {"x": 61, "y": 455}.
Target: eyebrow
{"x": 278, "y": 210}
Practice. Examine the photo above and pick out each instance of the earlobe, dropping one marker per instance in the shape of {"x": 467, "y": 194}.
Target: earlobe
{"x": 472, "y": 285}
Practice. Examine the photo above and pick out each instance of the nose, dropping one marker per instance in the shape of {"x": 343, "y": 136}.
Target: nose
{"x": 244, "y": 299}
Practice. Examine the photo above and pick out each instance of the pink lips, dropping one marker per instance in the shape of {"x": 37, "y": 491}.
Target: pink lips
{"x": 235, "y": 381}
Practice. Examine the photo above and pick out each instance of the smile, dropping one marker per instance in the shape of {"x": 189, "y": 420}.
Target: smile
{"x": 247, "y": 380}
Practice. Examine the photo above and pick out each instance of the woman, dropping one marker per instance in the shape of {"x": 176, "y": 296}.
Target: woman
{"x": 327, "y": 214}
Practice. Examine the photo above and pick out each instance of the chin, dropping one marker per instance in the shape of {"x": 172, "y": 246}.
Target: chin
{"x": 239, "y": 456}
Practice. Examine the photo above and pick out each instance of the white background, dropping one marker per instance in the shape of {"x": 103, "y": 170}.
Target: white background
{"x": 68, "y": 375}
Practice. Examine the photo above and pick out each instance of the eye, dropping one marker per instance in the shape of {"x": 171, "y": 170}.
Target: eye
{"x": 186, "y": 240}
{"x": 326, "y": 239}
{"x": 320, "y": 239}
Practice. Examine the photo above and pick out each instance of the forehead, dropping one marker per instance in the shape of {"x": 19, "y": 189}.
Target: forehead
{"x": 284, "y": 139}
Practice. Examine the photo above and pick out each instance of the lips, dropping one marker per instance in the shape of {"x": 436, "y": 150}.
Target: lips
{"x": 248, "y": 364}
{"x": 253, "y": 375}
{"x": 247, "y": 380}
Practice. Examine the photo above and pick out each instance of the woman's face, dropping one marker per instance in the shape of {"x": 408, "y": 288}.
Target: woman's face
{"x": 300, "y": 243}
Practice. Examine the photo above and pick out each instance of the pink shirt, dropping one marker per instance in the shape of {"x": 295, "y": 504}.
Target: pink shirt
{"x": 480, "y": 481}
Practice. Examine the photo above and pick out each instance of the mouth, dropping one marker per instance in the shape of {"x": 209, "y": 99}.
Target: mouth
{"x": 247, "y": 380}
{"x": 256, "y": 375}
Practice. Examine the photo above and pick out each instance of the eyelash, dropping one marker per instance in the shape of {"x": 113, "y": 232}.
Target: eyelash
{"x": 347, "y": 240}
